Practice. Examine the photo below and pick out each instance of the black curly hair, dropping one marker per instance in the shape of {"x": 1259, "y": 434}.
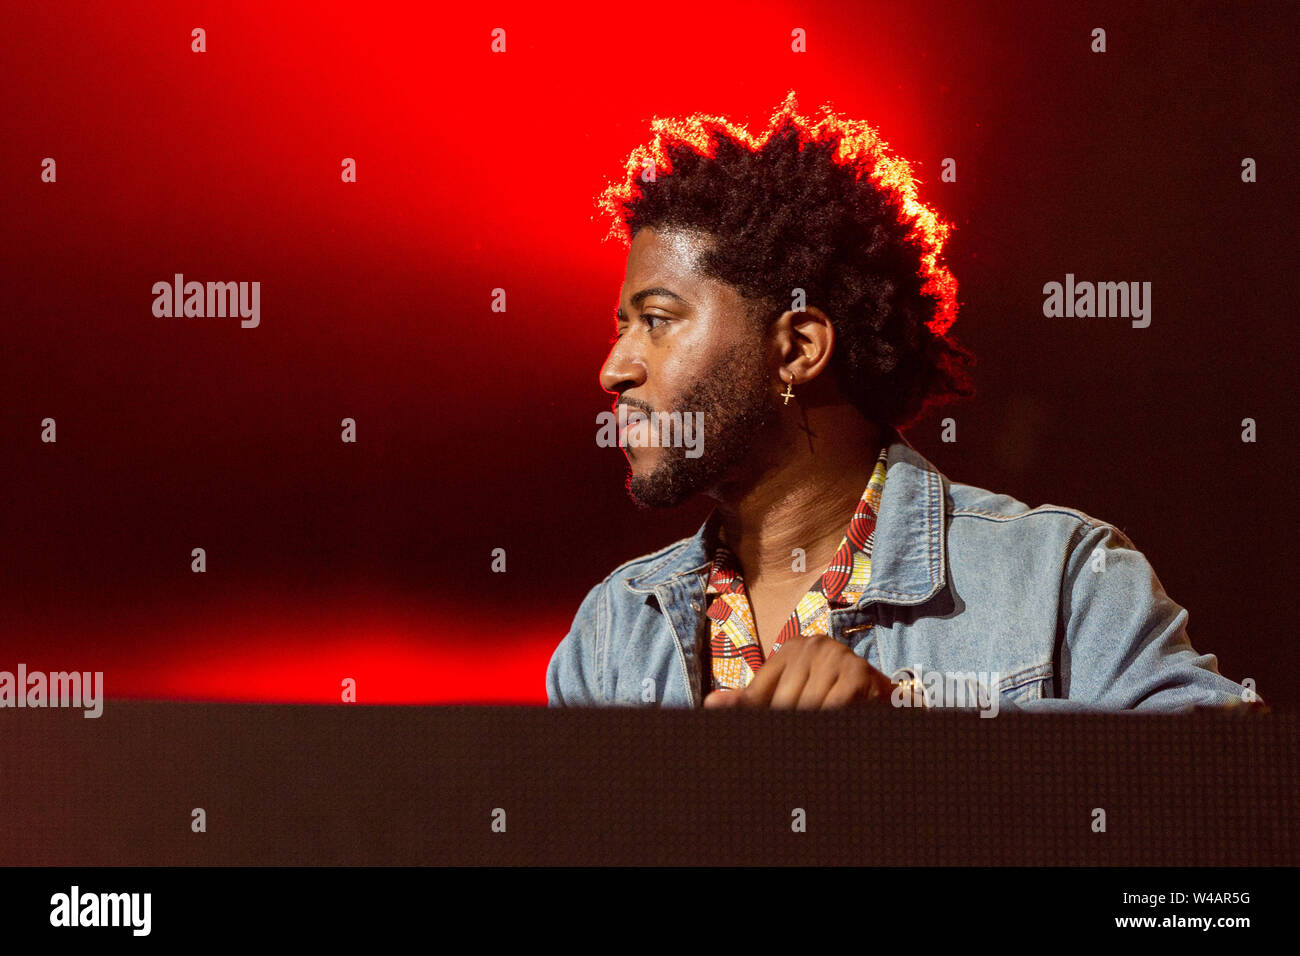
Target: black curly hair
{"x": 822, "y": 207}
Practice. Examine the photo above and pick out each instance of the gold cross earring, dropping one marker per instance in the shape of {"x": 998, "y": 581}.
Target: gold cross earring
{"x": 789, "y": 391}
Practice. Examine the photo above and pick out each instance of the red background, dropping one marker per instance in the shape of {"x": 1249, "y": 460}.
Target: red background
{"x": 475, "y": 429}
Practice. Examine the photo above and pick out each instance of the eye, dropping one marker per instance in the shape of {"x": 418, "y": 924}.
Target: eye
{"x": 646, "y": 317}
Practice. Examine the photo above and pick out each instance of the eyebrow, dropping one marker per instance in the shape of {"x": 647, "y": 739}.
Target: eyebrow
{"x": 644, "y": 294}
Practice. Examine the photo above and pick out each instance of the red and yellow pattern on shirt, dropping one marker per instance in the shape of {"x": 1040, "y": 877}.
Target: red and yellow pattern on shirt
{"x": 735, "y": 650}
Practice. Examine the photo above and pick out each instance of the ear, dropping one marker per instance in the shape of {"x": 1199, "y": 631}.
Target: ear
{"x": 803, "y": 343}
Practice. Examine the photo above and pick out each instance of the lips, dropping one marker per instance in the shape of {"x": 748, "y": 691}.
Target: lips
{"x": 636, "y": 435}
{"x": 633, "y": 432}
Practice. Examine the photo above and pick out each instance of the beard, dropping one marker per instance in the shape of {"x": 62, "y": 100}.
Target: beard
{"x": 733, "y": 395}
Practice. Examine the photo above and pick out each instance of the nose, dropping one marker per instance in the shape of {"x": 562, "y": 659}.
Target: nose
{"x": 622, "y": 370}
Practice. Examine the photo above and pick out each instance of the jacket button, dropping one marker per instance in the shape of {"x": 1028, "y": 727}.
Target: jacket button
{"x": 695, "y": 605}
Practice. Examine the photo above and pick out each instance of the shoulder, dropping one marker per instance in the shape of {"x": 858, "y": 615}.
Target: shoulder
{"x": 985, "y": 523}
{"x": 1046, "y": 547}
{"x": 975, "y": 513}
{"x": 630, "y": 581}
{"x": 604, "y": 625}
{"x": 647, "y": 566}
{"x": 971, "y": 504}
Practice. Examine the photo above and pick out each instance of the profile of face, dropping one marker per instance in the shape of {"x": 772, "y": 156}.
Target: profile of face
{"x": 687, "y": 342}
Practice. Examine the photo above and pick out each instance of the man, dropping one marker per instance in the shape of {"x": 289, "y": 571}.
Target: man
{"x": 788, "y": 291}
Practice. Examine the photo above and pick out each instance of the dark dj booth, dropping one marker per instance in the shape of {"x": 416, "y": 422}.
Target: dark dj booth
{"x": 367, "y": 785}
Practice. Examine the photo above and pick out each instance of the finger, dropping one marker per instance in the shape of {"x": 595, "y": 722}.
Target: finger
{"x": 845, "y": 691}
{"x": 722, "y": 699}
{"x": 829, "y": 663}
{"x": 760, "y": 689}
{"x": 816, "y": 688}
{"x": 791, "y": 684}
{"x": 882, "y": 688}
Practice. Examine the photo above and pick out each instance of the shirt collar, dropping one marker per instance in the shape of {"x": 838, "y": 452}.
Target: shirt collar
{"x": 724, "y": 566}
{"x": 908, "y": 559}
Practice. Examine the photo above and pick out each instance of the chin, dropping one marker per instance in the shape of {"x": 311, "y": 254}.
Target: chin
{"x": 641, "y": 467}
{"x": 645, "y": 492}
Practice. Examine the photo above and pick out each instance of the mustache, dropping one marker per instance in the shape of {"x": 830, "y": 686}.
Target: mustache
{"x": 631, "y": 405}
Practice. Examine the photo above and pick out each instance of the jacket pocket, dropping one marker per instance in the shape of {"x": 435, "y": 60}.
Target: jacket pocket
{"x": 1028, "y": 683}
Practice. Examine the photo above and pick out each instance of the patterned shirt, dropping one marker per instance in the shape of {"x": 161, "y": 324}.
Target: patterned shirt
{"x": 736, "y": 652}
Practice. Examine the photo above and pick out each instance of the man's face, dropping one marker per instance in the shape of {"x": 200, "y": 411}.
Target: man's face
{"x": 687, "y": 343}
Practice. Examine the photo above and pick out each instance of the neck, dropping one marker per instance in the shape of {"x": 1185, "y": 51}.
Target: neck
{"x": 805, "y": 499}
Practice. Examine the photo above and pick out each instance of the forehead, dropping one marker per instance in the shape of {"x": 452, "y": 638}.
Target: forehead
{"x": 669, "y": 258}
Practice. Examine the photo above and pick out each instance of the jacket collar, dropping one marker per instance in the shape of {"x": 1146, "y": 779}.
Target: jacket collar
{"x": 908, "y": 557}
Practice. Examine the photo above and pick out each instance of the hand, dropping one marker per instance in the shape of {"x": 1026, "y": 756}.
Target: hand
{"x": 808, "y": 673}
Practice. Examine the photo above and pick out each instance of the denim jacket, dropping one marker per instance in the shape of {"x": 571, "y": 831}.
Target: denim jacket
{"x": 970, "y": 591}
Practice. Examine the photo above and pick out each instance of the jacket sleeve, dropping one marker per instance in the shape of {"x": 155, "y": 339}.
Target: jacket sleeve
{"x": 1123, "y": 642}
{"x": 573, "y": 675}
